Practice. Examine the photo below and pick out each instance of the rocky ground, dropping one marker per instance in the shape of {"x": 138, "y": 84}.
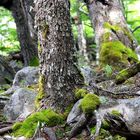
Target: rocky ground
{"x": 116, "y": 112}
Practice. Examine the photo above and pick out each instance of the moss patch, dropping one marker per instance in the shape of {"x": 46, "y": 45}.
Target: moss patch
{"x": 115, "y": 51}
{"x": 118, "y": 137}
{"x": 118, "y": 28}
{"x": 89, "y": 103}
{"x": 28, "y": 127}
{"x": 41, "y": 93}
{"x": 80, "y": 93}
{"x": 116, "y": 113}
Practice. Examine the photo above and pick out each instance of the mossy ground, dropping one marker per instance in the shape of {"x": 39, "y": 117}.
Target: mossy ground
{"x": 27, "y": 127}
{"x": 89, "y": 103}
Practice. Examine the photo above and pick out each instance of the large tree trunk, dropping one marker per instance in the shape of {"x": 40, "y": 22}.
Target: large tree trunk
{"x": 111, "y": 28}
{"x": 59, "y": 75}
{"x": 24, "y": 18}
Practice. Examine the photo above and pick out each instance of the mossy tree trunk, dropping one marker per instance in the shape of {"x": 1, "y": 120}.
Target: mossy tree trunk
{"x": 59, "y": 75}
{"x": 111, "y": 29}
{"x": 24, "y": 19}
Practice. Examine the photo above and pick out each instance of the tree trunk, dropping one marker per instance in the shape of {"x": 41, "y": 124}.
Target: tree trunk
{"x": 111, "y": 31}
{"x": 24, "y": 18}
{"x": 59, "y": 75}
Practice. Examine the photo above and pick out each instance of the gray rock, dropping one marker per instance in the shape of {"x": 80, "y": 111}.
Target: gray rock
{"x": 26, "y": 76}
{"x": 21, "y": 104}
{"x": 49, "y": 132}
{"x": 74, "y": 114}
{"x": 23, "y": 78}
{"x": 130, "y": 110}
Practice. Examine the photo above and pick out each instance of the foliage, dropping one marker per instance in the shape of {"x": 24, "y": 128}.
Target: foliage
{"x": 108, "y": 70}
{"x": 27, "y": 127}
{"x": 89, "y": 103}
{"x": 8, "y": 34}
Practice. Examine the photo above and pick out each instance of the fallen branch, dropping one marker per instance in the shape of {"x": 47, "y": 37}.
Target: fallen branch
{"x": 127, "y": 73}
{"x": 5, "y": 129}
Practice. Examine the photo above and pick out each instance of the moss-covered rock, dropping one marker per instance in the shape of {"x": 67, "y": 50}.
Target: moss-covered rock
{"x": 27, "y": 127}
{"x": 80, "y": 93}
{"x": 117, "y": 55}
{"x": 89, "y": 103}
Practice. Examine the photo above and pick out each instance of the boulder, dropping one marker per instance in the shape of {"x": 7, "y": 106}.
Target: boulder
{"x": 25, "y": 77}
{"x": 20, "y": 105}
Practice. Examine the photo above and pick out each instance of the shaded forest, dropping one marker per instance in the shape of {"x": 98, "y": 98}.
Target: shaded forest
{"x": 69, "y": 70}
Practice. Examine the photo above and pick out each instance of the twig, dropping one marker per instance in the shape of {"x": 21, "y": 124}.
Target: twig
{"x": 136, "y": 29}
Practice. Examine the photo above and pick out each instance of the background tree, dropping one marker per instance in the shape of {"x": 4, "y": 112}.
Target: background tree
{"x": 112, "y": 35}
{"x": 59, "y": 76}
{"x": 24, "y": 18}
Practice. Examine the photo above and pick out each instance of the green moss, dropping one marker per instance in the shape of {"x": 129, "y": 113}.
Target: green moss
{"x": 80, "y": 93}
{"x": 118, "y": 137}
{"x": 117, "y": 28}
{"x": 105, "y": 37}
{"x": 89, "y": 103}
{"x": 41, "y": 93}
{"x": 112, "y": 27}
{"x": 34, "y": 61}
{"x": 105, "y": 124}
{"x": 122, "y": 76}
{"x": 28, "y": 127}
{"x": 115, "y": 51}
{"x": 115, "y": 113}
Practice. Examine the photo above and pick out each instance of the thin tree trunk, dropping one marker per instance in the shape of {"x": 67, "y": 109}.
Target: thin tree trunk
{"x": 83, "y": 56}
{"x": 59, "y": 75}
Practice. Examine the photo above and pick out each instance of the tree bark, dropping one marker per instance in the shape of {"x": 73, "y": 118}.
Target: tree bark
{"x": 59, "y": 75}
{"x": 109, "y": 23}
{"x": 24, "y": 19}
